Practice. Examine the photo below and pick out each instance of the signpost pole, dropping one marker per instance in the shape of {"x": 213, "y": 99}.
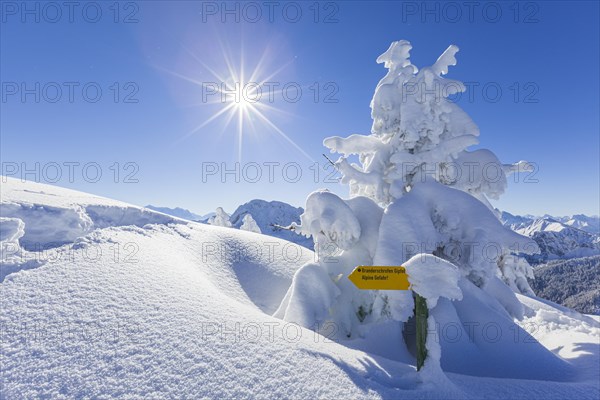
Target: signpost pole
{"x": 421, "y": 315}
{"x": 395, "y": 278}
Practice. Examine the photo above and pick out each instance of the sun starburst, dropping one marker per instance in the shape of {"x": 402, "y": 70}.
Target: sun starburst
{"x": 240, "y": 98}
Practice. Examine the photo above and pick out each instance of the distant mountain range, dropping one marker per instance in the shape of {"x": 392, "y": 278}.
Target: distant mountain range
{"x": 578, "y": 221}
{"x": 265, "y": 213}
{"x": 567, "y": 270}
{"x": 558, "y": 237}
{"x": 180, "y": 213}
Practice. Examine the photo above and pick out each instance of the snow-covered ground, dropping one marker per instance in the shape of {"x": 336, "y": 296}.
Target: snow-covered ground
{"x": 100, "y": 299}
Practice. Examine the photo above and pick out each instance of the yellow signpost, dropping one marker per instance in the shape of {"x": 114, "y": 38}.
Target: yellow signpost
{"x": 395, "y": 278}
{"x": 380, "y": 278}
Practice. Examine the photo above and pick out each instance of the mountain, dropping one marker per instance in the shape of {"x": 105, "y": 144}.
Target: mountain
{"x": 567, "y": 270}
{"x": 515, "y": 222}
{"x": 556, "y": 239}
{"x": 583, "y": 222}
{"x": 579, "y": 221}
{"x": 177, "y": 212}
{"x": 269, "y": 213}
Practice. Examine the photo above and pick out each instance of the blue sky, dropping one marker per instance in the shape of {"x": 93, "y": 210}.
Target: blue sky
{"x": 147, "y": 59}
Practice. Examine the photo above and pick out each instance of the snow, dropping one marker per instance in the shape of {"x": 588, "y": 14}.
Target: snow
{"x": 221, "y": 218}
{"x": 54, "y": 219}
{"x": 314, "y": 293}
{"x": 269, "y": 215}
{"x": 329, "y": 219}
{"x": 580, "y": 221}
{"x": 11, "y": 230}
{"x": 187, "y": 316}
{"x": 434, "y": 217}
{"x": 445, "y": 60}
{"x": 542, "y": 225}
{"x": 432, "y": 277}
{"x": 249, "y": 224}
{"x": 12, "y": 255}
{"x": 558, "y": 237}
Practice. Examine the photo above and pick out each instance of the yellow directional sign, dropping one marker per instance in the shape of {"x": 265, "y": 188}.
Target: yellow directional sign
{"x": 380, "y": 278}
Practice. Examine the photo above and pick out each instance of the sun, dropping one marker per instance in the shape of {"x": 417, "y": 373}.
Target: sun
{"x": 240, "y": 98}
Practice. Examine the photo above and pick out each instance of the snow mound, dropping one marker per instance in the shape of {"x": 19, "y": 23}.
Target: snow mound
{"x": 330, "y": 219}
{"x": 42, "y": 224}
{"x": 432, "y": 278}
{"x": 56, "y": 216}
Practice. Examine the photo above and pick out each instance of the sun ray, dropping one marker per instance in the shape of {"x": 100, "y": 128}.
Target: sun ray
{"x": 203, "y": 64}
{"x": 208, "y": 121}
{"x": 240, "y": 133}
{"x": 226, "y": 58}
{"x": 278, "y": 70}
{"x": 187, "y": 78}
{"x": 286, "y": 137}
{"x": 274, "y": 109}
{"x": 259, "y": 65}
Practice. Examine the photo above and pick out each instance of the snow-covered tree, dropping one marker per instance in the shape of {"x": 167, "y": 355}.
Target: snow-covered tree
{"x": 249, "y": 224}
{"x": 221, "y": 218}
{"x": 416, "y": 192}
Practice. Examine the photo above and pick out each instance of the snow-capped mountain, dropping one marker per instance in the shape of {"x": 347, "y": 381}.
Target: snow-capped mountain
{"x": 583, "y": 222}
{"x": 556, "y": 239}
{"x": 177, "y": 212}
{"x": 515, "y": 222}
{"x": 578, "y": 221}
{"x": 270, "y": 213}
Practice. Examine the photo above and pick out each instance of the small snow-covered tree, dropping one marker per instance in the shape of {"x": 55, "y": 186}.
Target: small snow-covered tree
{"x": 249, "y": 224}
{"x": 416, "y": 190}
{"x": 221, "y": 218}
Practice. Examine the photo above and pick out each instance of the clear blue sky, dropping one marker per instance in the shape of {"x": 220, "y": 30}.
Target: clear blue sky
{"x": 546, "y": 52}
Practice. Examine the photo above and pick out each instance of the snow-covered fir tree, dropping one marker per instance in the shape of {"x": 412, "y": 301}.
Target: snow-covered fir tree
{"x": 417, "y": 194}
{"x": 221, "y": 218}
{"x": 249, "y": 224}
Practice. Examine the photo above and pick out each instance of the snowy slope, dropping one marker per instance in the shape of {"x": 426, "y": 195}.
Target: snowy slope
{"x": 130, "y": 303}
